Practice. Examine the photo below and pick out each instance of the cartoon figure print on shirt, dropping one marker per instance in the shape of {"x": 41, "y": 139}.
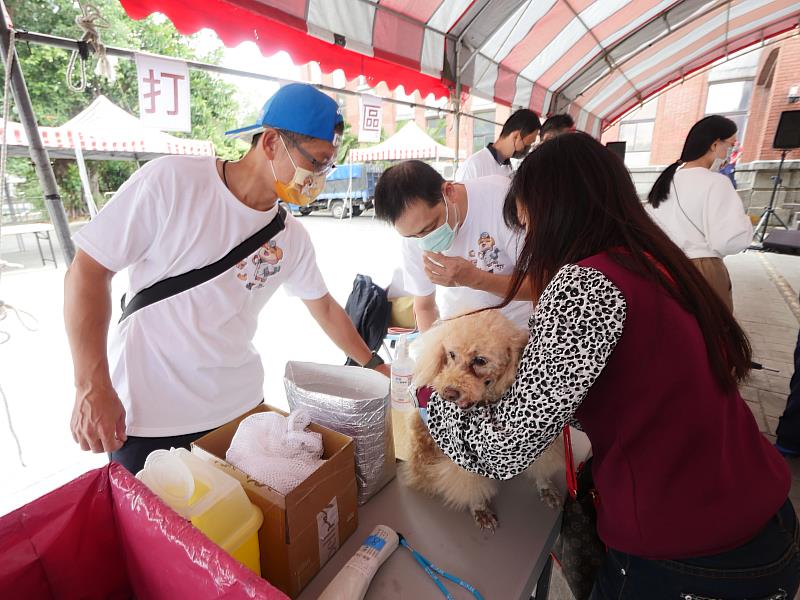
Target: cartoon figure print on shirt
{"x": 266, "y": 262}
{"x": 488, "y": 254}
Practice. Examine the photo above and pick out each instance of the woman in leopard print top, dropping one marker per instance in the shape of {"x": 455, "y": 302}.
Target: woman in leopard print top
{"x": 630, "y": 342}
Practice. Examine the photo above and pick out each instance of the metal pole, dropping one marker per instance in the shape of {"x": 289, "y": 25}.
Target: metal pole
{"x": 457, "y": 105}
{"x": 84, "y": 177}
{"x": 9, "y": 200}
{"x": 39, "y": 156}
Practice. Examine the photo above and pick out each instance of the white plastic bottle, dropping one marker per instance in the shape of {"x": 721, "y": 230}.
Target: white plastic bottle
{"x": 402, "y": 402}
{"x": 352, "y": 582}
{"x": 402, "y": 374}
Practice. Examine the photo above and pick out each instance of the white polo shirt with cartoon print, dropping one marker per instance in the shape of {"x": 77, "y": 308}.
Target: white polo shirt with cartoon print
{"x": 187, "y": 363}
{"x": 483, "y": 239}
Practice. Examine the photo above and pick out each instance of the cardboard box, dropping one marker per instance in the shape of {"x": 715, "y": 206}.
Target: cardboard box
{"x": 304, "y": 528}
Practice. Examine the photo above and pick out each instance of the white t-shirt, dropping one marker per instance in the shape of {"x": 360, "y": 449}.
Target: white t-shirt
{"x": 481, "y": 164}
{"x": 703, "y": 215}
{"x": 187, "y": 363}
{"x": 486, "y": 241}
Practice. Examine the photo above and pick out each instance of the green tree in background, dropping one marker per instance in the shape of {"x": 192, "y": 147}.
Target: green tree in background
{"x": 214, "y": 105}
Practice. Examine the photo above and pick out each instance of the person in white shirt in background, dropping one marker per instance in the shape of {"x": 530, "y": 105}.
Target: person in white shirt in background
{"x": 516, "y": 138}
{"x": 697, "y": 206}
{"x": 456, "y": 245}
{"x": 186, "y": 364}
{"x": 556, "y": 125}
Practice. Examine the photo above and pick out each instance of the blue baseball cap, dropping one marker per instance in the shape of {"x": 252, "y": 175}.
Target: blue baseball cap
{"x": 299, "y": 108}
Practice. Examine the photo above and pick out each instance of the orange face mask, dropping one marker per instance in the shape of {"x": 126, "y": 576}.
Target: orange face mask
{"x": 304, "y": 187}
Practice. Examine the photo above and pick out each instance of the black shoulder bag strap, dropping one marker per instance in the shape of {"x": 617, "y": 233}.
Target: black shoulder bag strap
{"x": 180, "y": 283}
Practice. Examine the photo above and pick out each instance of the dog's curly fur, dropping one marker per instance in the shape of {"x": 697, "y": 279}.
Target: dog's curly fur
{"x": 470, "y": 360}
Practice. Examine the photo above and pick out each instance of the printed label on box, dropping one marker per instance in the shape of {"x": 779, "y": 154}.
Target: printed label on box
{"x": 328, "y": 530}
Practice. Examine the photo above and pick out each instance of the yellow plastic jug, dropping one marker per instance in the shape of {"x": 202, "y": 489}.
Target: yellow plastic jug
{"x": 211, "y": 499}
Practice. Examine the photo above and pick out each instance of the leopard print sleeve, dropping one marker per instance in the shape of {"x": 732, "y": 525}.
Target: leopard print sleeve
{"x": 574, "y": 329}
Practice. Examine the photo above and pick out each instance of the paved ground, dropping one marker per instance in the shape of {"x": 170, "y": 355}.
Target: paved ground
{"x": 35, "y": 368}
{"x": 765, "y": 299}
{"x": 36, "y": 371}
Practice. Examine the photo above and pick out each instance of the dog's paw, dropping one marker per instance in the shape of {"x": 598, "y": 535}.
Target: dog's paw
{"x": 485, "y": 518}
{"x": 551, "y": 497}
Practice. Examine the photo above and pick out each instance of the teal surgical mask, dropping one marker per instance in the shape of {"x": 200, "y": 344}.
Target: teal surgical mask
{"x": 441, "y": 238}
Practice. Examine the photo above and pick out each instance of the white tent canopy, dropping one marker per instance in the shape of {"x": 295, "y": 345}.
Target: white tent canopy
{"x": 104, "y": 131}
{"x": 409, "y": 142}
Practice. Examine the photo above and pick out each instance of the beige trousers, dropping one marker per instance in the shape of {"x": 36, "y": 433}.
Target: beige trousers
{"x": 717, "y": 276}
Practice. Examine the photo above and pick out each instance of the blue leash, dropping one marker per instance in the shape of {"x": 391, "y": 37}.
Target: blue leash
{"x": 432, "y": 570}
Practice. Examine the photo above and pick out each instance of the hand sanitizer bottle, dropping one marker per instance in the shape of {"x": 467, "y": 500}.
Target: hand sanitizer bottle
{"x": 402, "y": 402}
{"x": 402, "y": 374}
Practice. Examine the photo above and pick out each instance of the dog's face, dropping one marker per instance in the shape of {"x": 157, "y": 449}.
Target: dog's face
{"x": 470, "y": 359}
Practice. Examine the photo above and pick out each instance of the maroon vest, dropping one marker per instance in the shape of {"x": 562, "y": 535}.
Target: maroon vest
{"x": 680, "y": 466}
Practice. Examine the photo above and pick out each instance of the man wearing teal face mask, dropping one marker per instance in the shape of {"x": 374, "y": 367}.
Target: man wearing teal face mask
{"x": 458, "y": 253}
{"x": 186, "y": 363}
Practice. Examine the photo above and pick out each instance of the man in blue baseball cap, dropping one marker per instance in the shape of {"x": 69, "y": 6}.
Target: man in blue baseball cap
{"x": 180, "y": 365}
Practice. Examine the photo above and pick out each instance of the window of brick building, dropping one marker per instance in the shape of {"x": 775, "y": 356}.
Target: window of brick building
{"x": 482, "y": 131}
{"x": 730, "y": 88}
{"x": 731, "y": 99}
{"x": 636, "y": 129}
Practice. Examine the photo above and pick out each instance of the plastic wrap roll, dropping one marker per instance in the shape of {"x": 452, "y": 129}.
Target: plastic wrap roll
{"x": 352, "y": 401}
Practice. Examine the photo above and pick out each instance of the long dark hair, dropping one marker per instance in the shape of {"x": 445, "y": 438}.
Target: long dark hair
{"x": 699, "y": 140}
{"x": 578, "y": 200}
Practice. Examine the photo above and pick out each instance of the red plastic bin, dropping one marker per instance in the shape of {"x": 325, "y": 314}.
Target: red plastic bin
{"x": 105, "y": 535}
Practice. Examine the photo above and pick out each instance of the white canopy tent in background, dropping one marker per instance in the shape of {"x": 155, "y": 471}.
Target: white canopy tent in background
{"x": 104, "y": 131}
{"x": 410, "y": 142}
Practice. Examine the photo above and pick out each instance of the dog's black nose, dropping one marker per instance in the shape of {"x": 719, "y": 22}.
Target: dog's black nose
{"x": 451, "y": 394}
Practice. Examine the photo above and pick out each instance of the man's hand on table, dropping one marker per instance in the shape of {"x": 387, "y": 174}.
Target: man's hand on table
{"x": 98, "y": 420}
{"x": 384, "y": 370}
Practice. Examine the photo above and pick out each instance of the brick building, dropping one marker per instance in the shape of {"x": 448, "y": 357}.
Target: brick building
{"x": 752, "y": 89}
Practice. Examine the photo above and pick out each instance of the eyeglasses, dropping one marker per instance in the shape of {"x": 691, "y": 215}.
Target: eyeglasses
{"x": 316, "y": 165}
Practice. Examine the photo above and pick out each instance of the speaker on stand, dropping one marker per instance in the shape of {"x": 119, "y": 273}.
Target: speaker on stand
{"x": 617, "y": 148}
{"x": 787, "y": 137}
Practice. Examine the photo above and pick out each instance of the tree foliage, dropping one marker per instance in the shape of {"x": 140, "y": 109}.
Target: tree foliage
{"x": 214, "y": 105}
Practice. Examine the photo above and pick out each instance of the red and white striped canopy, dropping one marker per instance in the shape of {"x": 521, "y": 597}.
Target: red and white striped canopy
{"x": 595, "y": 59}
{"x": 104, "y": 131}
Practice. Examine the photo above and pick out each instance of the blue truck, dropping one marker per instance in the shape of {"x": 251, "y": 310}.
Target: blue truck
{"x": 346, "y": 183}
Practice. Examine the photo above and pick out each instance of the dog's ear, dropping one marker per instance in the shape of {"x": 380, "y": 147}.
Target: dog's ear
{"x": 431, "y": 356}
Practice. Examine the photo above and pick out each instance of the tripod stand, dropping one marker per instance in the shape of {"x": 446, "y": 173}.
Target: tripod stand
{"x": 763, "y": 222}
